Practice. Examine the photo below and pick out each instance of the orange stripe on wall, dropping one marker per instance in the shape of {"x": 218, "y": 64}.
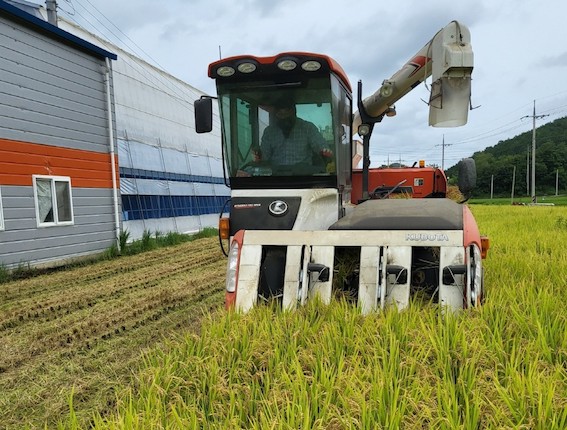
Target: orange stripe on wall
{"x": 20, "y": 160}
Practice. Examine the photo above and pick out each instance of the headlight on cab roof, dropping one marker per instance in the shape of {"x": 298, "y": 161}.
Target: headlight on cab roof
{"x": 225, "y": 71}
{"x": 311, "y": 66}
{"x": 246, "y": 67}
{"x": 287, "y": 64}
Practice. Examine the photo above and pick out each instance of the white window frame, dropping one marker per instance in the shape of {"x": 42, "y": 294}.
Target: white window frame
{"x": 53, "y": 180}
{"x": 2, "y": 226}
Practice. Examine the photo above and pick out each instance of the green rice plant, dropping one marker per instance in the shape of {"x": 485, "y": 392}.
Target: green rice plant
{"x": 329, "y": 367}
{"x": 528, "y": 398}
{"x": 561, "y": 223}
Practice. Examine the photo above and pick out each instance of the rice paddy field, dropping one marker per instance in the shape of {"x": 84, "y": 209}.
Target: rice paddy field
{"x": 84, "y": 331}
{"x": 184, "y": 363}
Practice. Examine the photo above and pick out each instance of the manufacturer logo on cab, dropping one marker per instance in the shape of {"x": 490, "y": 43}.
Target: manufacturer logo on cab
{"x": 278, "y": 208}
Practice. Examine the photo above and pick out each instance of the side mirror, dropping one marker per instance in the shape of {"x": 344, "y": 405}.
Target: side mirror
{"x": 467, "y": 176}
{"x": 203, "y": 114}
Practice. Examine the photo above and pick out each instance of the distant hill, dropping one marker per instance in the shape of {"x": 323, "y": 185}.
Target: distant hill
{"x": 499, "y": 161}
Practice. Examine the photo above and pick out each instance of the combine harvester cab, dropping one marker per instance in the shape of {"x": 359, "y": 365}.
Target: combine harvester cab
{"x": 303, "y": 222}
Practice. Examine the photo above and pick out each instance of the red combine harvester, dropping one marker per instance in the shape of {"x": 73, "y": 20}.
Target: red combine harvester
{"x": 302, "y": 222}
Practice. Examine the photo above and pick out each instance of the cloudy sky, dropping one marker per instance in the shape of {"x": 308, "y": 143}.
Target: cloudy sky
{"x": 520, "y": 50}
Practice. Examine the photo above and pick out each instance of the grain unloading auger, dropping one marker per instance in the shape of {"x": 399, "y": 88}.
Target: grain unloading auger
{"x": 296, "y": 228}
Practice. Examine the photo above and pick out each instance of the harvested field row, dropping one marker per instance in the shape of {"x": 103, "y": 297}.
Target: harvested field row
{"x": 65, "y": 294}
{"x": 35, "y": 289}
{"x": 84, "y": 329}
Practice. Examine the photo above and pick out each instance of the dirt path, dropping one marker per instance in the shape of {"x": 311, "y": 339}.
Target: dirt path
{"x": 84, "y": 330}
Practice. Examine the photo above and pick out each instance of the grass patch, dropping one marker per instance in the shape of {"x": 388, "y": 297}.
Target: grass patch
{"x": 150, "y": 241}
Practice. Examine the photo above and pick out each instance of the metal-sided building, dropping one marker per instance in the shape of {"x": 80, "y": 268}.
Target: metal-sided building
{"x": 171, "y": 178}
{"x": 58, "y": 171}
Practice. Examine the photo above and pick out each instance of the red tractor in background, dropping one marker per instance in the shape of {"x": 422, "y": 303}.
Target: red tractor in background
{"x": 411, "y": 182}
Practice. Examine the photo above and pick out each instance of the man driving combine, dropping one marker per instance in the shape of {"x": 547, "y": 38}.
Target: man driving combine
{"x": 290, "y": 140}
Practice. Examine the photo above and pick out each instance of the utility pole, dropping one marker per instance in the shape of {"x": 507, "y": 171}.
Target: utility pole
{"x": 443, "y": 145}
{"x": 557, "y": 182}
{"x": 528, "y": 172}
{"x": 534, "y": 117}
{"x": 513, "y": 184}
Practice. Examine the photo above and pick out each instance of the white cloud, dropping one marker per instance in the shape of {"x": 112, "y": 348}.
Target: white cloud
{"x": 519, "y": 48}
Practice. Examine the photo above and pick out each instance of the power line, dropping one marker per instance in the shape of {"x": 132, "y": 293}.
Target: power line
{"x": 121, "y": 32}
{"x": 176, "y": 91}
